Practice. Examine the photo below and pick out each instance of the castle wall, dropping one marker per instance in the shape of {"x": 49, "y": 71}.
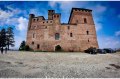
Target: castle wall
{"x": 41, "y": 33}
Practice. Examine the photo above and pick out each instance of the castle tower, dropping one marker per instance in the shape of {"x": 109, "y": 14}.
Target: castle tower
{"x": 56, "y": 18}
{"x": 50, "y": 14}
{"x": 30, "y": 20}
{"x": 85, "y": 24}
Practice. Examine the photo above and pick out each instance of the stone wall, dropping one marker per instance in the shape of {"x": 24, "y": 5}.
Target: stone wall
{"x": 73, "y": 36}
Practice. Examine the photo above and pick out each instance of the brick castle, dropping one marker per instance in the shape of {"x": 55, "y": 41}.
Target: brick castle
{"x": 52, "y": 35}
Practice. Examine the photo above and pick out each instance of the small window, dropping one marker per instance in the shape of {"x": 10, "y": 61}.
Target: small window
{"x": 57, "y": 15}
{"x": 88, "y": 40}
{"x": 47, "y": 21}
{"x": 76, "y": 21}
{"x": 37, "y": 19}
{"x": 57, "y": 36}
{"x": 38, "y": 46}
{"x": 35, "y": 27}
{"x": 87, "y": 32}
{"x": 34, "y": 20}
{"x": 85, "y": 20}
{"x": 71, "y": 35}
{"x": 43, "y": 22}
{"x": 32, "y": 43}
{"x": 33, "y": 35}
{"x": 50, "y": 21}
{"x": 68, "y": 27}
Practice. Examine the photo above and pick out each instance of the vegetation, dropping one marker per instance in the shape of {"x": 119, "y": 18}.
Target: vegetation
{"x": 24, "y": 47}
{"x": 6, "y": 37}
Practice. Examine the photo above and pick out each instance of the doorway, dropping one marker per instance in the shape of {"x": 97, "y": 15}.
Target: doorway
{"x": 58, "y": 48}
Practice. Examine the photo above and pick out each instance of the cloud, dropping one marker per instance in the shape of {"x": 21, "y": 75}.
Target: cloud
{"x": 22, "y": 23}
{"x": 66, "y": 6}
{"x": 98, "y": 26}
{"x": 117, "y": 33}
{"x": 99, "y": 8}
{"x": 108, "y": 42}
{"x": 5, "y": 14}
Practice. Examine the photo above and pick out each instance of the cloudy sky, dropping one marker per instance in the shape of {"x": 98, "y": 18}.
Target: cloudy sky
{"x": 106, "y": 17}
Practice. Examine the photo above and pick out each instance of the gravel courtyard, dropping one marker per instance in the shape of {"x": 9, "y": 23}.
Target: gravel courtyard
{"x": 59, "y": 64}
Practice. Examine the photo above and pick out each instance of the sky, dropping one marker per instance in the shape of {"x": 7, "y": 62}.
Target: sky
{"x": 106, "y": 15}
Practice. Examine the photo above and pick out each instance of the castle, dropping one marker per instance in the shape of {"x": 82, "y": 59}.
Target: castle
{"x": 52, "y": 35}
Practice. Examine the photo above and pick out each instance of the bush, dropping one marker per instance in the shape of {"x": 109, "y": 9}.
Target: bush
{"x": 27, "y": 48}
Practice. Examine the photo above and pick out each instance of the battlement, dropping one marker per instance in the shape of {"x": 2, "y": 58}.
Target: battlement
{"x": 80, "y": 12}
{"x": 81, "y": 9}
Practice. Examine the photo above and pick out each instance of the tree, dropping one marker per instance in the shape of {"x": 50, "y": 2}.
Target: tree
{"x": 22, "y": 46}
{"x": 3, "y": 38}
{"x": 10, "y": 37}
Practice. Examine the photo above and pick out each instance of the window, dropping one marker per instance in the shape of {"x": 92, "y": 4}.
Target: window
{"x": 38, "y": 46}
{"x": 43, "y": 22}
{"x": 47, "y": 21}
{"x": 50, "y": 21}
{"x": 45, "y": 27}
{"x": 57, "y": 15}
{"x": 87, "y": 32}
{"x": 37, "y": 19}
{"x": 33, "y": 35}
{"x": 57, "y": 36}
{"x": 85, "y": 20}
{"x": 33, "y": 20}
{"x": 71, "y": 35}
{"x": 32, "y": 43}
{"x": 88, "y": 40}
{"x": 76, "y": 21}
{"x": 68, "y": 27}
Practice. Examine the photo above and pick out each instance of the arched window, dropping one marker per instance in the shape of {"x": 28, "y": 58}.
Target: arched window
{"x": 85, "y": 20}
{"x": 32, "y": 43}
{"x": 57, "y": 36}
{"x": 87, "y": 32}
{"x": 71, "y": 35}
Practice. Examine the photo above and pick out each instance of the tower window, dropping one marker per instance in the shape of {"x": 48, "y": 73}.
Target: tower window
{"x": 71, "y": 35}
{"x": 33, "y": 35}
{"x": 33, "y": 20}
{"x": 57, "y": 36}
{"x": 37, "y": 19}
{"x": 85, "y": 20}
{"x": 46, "y": 27}
{"x": 76, "y": 21}
{"x": 88, "y": 40}
{"x": 32, "y": 43}
{"x": 68, "y": 27}
{"x": 38, "y": 46}
{"x": 87, "y": 32}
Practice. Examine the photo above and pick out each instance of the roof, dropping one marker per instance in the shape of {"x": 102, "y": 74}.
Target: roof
{"x": 83, "y": 9}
